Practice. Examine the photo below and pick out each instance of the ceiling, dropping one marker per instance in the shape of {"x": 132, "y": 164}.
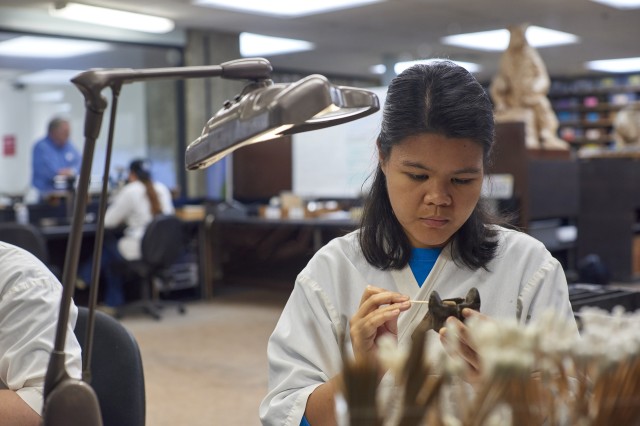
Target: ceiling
{"x": 349, "y": 42}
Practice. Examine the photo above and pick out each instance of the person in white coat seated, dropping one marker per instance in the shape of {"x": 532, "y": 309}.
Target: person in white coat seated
{"x": 30, "y": 296}
{"x": 424, "y": 228}
{"x": 134, "y": 206}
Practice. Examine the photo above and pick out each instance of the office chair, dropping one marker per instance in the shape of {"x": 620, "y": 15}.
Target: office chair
{"x": 116, "y": 369}
{"x": 29, "y": 238}
{"x": 164, "y": 241}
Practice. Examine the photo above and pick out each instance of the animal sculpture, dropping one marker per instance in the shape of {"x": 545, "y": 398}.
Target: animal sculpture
{"x": 441, "y": 309}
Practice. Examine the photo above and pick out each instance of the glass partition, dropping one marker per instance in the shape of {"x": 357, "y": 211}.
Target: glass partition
{"x": 34, "y": 89}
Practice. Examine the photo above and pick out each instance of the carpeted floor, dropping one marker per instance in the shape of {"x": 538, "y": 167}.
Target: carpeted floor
{"x": 209, "y": 366}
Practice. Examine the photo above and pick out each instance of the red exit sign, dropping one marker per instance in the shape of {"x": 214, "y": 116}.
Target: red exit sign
{"x": 9, "y": 145}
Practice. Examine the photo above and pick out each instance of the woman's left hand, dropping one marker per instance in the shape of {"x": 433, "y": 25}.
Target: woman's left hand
{"x": 465, "y": 348}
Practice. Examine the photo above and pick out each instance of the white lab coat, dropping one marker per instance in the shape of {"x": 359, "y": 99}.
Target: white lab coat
{"x": 130, "y": 206}
{"x": 29, "y": 307}
{"x": 523, "y": 281}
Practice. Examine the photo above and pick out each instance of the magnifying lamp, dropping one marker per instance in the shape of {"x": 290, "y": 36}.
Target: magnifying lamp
{"x": 266, "y": 111}
{"x": 263, "y": 111}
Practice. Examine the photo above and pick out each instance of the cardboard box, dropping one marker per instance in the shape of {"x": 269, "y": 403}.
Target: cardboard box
{"x": 191, "y": 212}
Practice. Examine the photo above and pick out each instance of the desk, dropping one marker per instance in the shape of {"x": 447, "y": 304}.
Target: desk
{"x": 56, "y": 237}
{"x": 264, "y": 250}
{"x": 316, "y": 225}
{"x": 64, "y": 231}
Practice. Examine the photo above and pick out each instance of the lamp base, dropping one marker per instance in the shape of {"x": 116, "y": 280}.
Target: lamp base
{"x": 72, "y": 402}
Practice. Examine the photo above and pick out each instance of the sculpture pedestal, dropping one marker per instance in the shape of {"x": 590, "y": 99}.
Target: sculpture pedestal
{"x": 521, "y": 115}
{"x": 532, "y": 140}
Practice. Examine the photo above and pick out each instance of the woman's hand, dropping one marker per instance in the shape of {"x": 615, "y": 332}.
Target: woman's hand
{"x": 464, "y": 348}
{"x": 377, "y": 315}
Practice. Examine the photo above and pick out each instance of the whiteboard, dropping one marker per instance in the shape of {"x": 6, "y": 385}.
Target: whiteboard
{"x": 337, "y": 161}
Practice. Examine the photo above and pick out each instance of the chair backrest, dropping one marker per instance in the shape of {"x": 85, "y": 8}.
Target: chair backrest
{"x": 116, "y": 370}
{"x": 163, "y": 242}
{"x": 27, "y": 237}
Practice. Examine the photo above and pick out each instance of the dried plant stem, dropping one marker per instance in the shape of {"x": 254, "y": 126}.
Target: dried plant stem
{"x": 630, "y": 391}
{"x": 524, "y": 396}
{"x": 617, "y": 400}
{"x": 360, "y": 383}
{"x": 585, "y": 388}
{"x": 360, "y": 380}
{"x": 414, "y": 376}
{"x": 435, "y": 416}
{"x": 484, "y": 403}
{"x": 463, "y": 399}
{"x": 580, "y": 407}
{"x": 551, "y": 386}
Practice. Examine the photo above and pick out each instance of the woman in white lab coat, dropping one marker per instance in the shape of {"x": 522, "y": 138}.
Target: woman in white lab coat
{"x": 424, "y": 228}
{"x": 29, "y": 307}
{"x": 133, "y": 207}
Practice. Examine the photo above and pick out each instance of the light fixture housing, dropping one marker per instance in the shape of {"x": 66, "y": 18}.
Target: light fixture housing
{"x": 498, "y": 40}
{"x": 56, "y": 77}
{"x": 261, "y": 45}
{"x": 112, "y": 18}
{"x": 401, "y": 66}
{"x": 49, "y": 47}
{"x": 621, "y": 65}
{"x": 285, "y": 8}
{"x": 266, "y": 111}
{"x": 378, "y": 69}
{"x": 620, "y": 4}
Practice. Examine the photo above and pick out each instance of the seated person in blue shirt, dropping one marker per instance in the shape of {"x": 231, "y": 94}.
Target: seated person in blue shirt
{"x": 54, "y": 155}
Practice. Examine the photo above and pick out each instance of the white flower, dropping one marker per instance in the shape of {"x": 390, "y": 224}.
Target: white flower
{"x": 390, "y": 355}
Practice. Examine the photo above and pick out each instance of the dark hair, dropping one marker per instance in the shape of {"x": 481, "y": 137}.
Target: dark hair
{"x": 142, "y": 170}
{"x": 440, "y": 98}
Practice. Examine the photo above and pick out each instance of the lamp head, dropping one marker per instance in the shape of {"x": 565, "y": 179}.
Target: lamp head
{"x": 265, "y": 111}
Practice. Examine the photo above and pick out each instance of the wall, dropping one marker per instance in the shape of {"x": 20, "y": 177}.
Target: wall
{"x": 38, "y": 21}
{"x": 336, "y": 161}
{"x": 147, "y": 123}
{"x": 204, "y": 97}
{"x": 165, "y": 145}
{"x": 14, "y": 173}
{"x": 25, "y": 114}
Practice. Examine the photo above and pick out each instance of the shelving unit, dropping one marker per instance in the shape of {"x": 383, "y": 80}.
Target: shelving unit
{"x": 587, "y": 107}
{"x": 546, "y": 191}
{"x": 610, "y": 214}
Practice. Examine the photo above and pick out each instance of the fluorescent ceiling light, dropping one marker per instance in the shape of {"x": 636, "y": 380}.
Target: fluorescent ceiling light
{"x": 498, "y": 40}
{"x": 49, "y": 47}
{"x": 615, "y": 65}
{"x": 53, "y": 97}
{"x": 285, "y": 8}
{"x": 113, "y": 18}
{"x": 261, "y": 45}
{"x": 50, "y": 76}
{"x": 401, "y": 66}
{"x": 620, "y": 4}
{"x": 378, "y": 69}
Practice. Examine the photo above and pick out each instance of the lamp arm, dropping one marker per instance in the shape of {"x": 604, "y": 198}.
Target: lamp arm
{"x": 92, "y": 82}
{"x": 98, "y": 243}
